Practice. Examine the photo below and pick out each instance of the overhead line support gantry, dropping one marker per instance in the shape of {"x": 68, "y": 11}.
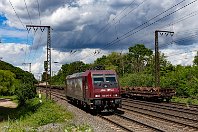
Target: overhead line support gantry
{"x": 47, "y": 64}
{"x": 157, "y": 59}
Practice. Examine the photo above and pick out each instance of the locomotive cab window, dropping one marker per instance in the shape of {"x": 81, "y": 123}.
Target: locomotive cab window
{"x": 98, "y": 78}
{"x": 105, "y": 80}
{"x": 110, "y": 78}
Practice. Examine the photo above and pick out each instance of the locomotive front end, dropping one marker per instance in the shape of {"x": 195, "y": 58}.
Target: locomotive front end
{"x": 106, "y": 91}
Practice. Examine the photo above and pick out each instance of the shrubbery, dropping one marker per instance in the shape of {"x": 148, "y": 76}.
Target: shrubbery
{"x": 25, "y": 92}
{"x": 137, "y": 79}
{"x": 15, "y": 81}
{"x": 183, "y": 79}
{"x": 8, "y": 83}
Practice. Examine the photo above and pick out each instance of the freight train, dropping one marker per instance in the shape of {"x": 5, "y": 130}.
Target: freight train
{"x": 95, "y": 90}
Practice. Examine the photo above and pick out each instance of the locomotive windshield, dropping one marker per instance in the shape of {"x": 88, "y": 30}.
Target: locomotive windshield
{"x": 104, "y": 80}
{"x": 110, "y": 78}
{"x": 98, "y": 78}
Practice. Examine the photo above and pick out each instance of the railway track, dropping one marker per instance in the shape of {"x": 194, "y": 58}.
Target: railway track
{"x": 174, "y": 119}
{"x": 125, "y": 122}
{"x": 164, "y": 106}
{"x": 129, "y": 124}
{"x": 120, "y": 122}
{"x": 182, "y": 105}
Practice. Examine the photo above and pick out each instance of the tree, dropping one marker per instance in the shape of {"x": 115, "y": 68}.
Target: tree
{"x": 24, "y": 76}
{"x": 68, "y": 69}
{"x": 7, "y": 80}
{"x": 139, "y": 55}
{"x": 195, "y": 61}
{"x": 25, "y": 92}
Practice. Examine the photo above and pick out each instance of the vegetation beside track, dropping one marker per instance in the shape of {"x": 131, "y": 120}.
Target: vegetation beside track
{"x": 187, "y": 101}
{"x": 34, "y": 114}
{"x": 137, "y": 68}
{"x": 15, "y": 81}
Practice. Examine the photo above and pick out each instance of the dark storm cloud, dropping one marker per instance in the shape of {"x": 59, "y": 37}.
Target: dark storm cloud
{"x": 76, "y": 23}
{"x": 89, "y": 37}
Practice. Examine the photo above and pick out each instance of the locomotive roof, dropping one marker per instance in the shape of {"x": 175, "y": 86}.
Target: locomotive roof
{"x": 75, "y": 75}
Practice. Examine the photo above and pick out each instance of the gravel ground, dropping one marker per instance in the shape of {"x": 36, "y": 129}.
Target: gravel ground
{"x": 81, "y": 117}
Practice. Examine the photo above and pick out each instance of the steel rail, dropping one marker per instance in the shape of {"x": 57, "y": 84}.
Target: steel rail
{"x": 162, "y": 118}
{"x": 143, "y": 124}
{"x": 114, "y": 123}
{"x": 161, "y": 106}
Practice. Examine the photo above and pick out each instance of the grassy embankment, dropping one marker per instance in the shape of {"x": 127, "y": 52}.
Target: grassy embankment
{"x": 35, "y": 114}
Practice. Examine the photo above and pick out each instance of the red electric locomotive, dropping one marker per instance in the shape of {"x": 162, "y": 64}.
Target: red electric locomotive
{"x": 94, "y": 89}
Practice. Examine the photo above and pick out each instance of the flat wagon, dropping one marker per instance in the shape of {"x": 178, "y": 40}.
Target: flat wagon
{"x": 148, "y": 93}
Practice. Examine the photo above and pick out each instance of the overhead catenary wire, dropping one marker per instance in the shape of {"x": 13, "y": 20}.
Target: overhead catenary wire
{"x": 27, "y": 41}
{"x": 118, "y": 38}
{"x": 170, "y": 55}
{"x": 108, "y": 25}
{"x": 130, "y": 11}
{"x": 34, "y": 34}
{"x": 126, "y": 35}
{"x": 28, "y": 11}
{"x": 17, "y": 14}
{"x": 191, "y": 31}
{"x": 39, "y": 11}
{"x": 194, "y": 30}
{"x": 188, "y": 16}
{"x": 39, "y": 41}
{"x": 124, "y": 9}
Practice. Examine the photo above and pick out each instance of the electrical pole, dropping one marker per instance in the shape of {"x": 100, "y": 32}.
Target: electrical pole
{"x": 29, "y": 66}
{"x": 48, "y": 62}
{"x": 157, "y": 60}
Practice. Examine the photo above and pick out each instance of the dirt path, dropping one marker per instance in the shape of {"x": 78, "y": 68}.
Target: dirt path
{"x": 6, "y": 104}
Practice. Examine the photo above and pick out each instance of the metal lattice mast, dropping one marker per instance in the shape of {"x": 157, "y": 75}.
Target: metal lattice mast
{"x": 49, "y": 57}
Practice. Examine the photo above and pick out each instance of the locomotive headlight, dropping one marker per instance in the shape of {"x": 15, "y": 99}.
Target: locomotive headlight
{"x": 97, "y": 95}
{"x": 115, "y": 95}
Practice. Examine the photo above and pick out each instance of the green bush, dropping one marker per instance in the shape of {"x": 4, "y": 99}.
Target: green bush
{"x": 137, "y": 79}
{"x": 25, "y": 92}
{"x": 183, "y": 79}
{"x": 7, "y": 82}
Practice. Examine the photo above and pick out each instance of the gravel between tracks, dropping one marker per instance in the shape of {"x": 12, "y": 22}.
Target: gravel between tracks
{"x": 81, "y": 117}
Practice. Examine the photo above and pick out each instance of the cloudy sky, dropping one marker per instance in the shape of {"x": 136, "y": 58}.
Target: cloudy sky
{"x": 87, "y": 29}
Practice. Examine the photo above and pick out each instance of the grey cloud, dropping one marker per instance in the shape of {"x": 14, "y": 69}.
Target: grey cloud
{"x": 78, "y": 24}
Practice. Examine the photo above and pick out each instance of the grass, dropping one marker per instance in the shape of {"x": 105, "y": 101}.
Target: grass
{"x": 35, "y": 114}
{"x": 185, "y": 100}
